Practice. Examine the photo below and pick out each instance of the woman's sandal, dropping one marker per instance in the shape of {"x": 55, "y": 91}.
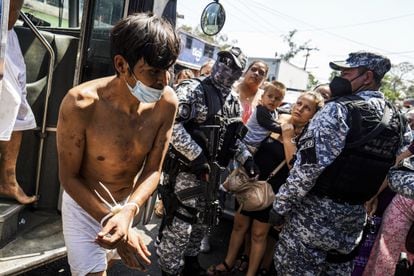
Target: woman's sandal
{"x": 242, "y": 263}
{"x": 212, "y": 270}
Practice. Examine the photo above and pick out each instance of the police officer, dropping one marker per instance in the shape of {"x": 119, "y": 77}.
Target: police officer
{"x": 199, "y": 101}
{"x": 342, "y": 159}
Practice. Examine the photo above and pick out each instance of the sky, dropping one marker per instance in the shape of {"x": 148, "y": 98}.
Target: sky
{"x": 334, "y": 27}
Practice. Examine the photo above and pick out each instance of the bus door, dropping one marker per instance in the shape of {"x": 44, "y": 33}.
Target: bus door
{"x": 78, "y": 33}
{"x": 52, "y": 41}
{"x": 64, "y": 42}
{"x": 96, "y": 61}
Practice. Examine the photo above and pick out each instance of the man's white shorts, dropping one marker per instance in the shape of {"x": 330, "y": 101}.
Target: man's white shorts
{"x": 80, "y": 230}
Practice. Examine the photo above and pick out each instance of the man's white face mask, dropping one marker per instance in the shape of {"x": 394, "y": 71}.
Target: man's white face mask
{"x": 145, "y": 93}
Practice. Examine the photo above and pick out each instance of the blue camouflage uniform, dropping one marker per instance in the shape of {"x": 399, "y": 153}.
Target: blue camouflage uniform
{"x": 316, "y": 226}
{"x": 401, "y": 178}
{"x": 183, "y": 238}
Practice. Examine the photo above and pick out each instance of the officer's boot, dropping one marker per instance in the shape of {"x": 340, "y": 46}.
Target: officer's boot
{"x": 192, "y": 267}
{"x": 163, "y": 273}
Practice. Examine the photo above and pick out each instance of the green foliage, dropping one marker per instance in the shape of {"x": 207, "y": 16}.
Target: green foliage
{"x": 333, "y": 74}
{"x": 294, "y": 48}
{"x": 199, "y": 33}
{"x": 221, "y": 40}
{"x": 396, "y": 84}
{"x": 410, "y": 90}
{"x": 186, "y": 28}
{"x": 312, "y": 81}
{"x": 388, "y": 88}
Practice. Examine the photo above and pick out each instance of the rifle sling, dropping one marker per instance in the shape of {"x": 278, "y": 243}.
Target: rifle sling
{"x": 192, "y": 192}
{"x": 187, "y": 219}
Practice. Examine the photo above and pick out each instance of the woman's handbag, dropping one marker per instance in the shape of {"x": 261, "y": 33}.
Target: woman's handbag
{"x": 252, "y": 194}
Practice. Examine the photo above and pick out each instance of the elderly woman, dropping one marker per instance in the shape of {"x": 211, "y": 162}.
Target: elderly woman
{"x": 270, "y": 154}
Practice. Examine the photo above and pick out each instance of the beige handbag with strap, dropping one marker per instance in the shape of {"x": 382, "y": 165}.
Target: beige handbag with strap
{"x": 252, "y": 194}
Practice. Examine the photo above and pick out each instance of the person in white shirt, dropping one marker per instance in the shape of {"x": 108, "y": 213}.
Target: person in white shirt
{"x": 15, "y": 112}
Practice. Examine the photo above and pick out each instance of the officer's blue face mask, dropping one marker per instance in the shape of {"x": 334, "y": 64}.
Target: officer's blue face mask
{"x": 143, "y": 93}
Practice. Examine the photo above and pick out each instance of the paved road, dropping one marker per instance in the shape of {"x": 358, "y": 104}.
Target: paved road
{"x": 219, "y": 242}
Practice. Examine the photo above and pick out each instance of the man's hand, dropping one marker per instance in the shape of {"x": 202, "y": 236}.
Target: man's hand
{"x": 288, "y": 131}
{"x": 371, "y": 206}
{"x": 250, "y": 167}
{"x": 200, "y": 166}
{"x": 116, "y": 229}
{"x": 276, "y": 219}
{"x": 133, "y": 252}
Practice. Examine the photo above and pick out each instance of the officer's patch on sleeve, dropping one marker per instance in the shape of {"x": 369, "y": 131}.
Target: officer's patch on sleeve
{"x": 184, "y": 112}
{"x": 307, "y": 151}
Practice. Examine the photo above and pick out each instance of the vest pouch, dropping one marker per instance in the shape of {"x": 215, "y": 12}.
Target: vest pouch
{"x": 174, "y": 163}
{"x": 233, "y": 130}
{"x": 355, "y": 178}
{"x": 371, "y": 146}
{"x": 170, "y": 201}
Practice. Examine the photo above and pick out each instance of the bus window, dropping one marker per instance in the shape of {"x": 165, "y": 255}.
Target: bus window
{"x": 108, "y": 13}
{"x": 54, "y": 13}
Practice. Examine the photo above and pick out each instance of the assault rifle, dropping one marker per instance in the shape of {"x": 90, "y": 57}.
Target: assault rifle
{"x": 212, "y": 209}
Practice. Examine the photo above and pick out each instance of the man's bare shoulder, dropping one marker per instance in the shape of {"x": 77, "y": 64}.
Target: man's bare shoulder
{"x": 170, "y": 95}
{"x": 85, "y": 95}
{"x": 169, "y": 98}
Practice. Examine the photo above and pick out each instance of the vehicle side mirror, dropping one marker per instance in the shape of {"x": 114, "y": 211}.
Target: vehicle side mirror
{"x": 213, "y": 18}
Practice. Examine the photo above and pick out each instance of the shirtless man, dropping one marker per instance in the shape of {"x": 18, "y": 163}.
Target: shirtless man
{"x": 109, "y": 130}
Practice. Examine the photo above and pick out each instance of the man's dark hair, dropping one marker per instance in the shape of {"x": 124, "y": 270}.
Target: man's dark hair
{"x": 148, "y": 36}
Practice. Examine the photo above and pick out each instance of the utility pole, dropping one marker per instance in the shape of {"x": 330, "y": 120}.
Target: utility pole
{"x": 308, "y": 50}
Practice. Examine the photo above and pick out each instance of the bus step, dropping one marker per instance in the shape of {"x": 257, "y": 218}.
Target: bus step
{"x": 9, "y": 214}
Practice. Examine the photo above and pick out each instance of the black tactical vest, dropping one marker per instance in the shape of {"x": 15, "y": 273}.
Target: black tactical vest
{"x": 224, "y": 112}
{"x": 370, "y": 150}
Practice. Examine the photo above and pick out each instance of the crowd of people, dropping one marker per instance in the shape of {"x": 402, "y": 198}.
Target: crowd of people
{"x": 318, "y": 221}
{"x": 335, "y": 146}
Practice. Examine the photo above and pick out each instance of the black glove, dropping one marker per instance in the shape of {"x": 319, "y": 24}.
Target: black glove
{"x": 275, "y": 218}
{"x": 200, "y": 166}
{"x": 251, "y": 168}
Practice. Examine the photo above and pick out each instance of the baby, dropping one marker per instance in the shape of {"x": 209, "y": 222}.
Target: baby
{"x": 263, "y": 121}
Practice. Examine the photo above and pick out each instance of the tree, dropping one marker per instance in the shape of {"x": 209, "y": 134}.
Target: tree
{"x": 294, "y": 48}
{"x": 312, "y": 81}
{"x": 388, "y": 88}
{"x": 219, "y": 39}
{"x": 334, "y": 73}
{"x": 186, "y": 28}
{"x": 410, "y": 90}
{"x": 396, "y": 85}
